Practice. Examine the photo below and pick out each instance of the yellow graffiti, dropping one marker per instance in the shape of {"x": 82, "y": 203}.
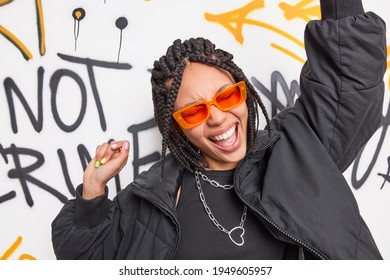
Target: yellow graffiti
{"x": 301, "y": 10}
{"x": 388, "y": 55}
{"x": 289, "y": 53}
{"x": 388, "y": 64}
{"x": 78, "y": 15}
{"x": 5, "y": 2}
{"x": 13, "y": 248}
{"x": 234, "y": 20}
{"x": 41, "y": 33}
{"x": 236, "y": 17}
{"x": 14, "y": 40}
{"x": 41, "y": 27}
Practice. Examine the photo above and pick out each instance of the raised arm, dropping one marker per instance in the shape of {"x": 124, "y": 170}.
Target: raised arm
{"x": 342, "y": 81}
{"x": 88, "y": 222}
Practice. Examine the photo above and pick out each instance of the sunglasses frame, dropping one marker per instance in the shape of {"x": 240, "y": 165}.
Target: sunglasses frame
{"x": 180, "y": 120}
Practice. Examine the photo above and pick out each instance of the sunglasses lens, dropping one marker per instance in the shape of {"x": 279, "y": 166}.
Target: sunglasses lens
{"x": 225, "y": 100}
{"x": 229, "y": 98}
{"x": 195, "y": 114}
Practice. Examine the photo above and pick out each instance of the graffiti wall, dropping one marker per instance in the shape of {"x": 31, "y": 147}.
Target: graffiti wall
{"x": 76, "y": 73}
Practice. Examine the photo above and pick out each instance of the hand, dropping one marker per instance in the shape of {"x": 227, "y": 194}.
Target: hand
{"x": 107, "y": 163}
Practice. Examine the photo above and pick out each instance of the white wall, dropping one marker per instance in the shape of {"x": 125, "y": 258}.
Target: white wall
{"x": 37, "y": 159}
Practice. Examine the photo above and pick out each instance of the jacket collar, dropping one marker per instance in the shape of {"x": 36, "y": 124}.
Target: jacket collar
{"x": 149, "y": 184}
{"x": 265, "y": 141}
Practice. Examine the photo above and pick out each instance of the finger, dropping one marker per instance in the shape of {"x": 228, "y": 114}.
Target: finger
{"x": 101, "y": 150}
{"x": 119, "y": 158}
{"x": 112, "y": 151}
{"x": 116, "y": 145}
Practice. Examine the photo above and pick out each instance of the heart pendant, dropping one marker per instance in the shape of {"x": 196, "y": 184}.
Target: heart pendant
{"x": 240, "y": 236}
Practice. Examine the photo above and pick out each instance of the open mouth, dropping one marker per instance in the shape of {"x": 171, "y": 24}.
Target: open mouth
{"x": 226, "y": 139}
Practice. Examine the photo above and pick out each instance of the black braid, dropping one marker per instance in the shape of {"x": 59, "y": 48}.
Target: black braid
{"x": 169, "y": 69}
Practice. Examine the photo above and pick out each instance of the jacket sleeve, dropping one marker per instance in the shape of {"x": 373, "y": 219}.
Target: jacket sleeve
{"x": 81, "y": 228}
{"x": 342, "y": 80}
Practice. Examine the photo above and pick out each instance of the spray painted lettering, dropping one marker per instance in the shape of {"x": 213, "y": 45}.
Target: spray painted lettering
{"x": 12, "y": 89}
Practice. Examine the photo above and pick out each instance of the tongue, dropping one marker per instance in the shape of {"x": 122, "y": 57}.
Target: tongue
{"x": 227, "y": 142}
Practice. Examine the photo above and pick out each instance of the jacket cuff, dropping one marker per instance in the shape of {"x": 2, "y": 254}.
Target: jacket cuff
{"x": 336, "y": 9}
{"x": 91, "y": 212}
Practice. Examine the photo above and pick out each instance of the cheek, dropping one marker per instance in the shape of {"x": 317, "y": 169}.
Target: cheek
{"x": 245, "y": 114}
{"x": 194, "y": 135}
{"x": 241, "y": 112}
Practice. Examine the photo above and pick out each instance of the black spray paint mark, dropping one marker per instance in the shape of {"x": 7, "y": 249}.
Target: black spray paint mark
{"x": 23, "y": 173}
{"x": 78, "y": 14}
{"x": 12, "y": 194}
{"x": 14, "y": 154}
{"x": 135, "y": 131}
{"x": 357, "y": 183}
{"x": 386, "y": 176}
{"x": 290, "y": 93}
{"x": 120, "y": 23}
{"x": 12, "y": 91}
{"x": 54, "y": 83}
{"x": 84, "y": 156}
{"x": 90, "y": 63}
{"x": 10, "y": 87}
{"x": 8, "y": 196}
{"x": 65, "y": 172}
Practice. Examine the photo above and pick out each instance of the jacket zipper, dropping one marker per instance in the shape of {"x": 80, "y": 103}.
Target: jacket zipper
{"x": 138, "y": 191}
{"x": 268, "y": 220}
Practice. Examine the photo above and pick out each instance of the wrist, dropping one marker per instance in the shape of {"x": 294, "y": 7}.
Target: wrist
{"x": 91, "y": 190}
{"x": 336, "y": 9}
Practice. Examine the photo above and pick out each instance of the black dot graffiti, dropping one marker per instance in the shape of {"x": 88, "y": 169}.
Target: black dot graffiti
{"x": 78, "y": 14}
{"x": 121, "y": 23}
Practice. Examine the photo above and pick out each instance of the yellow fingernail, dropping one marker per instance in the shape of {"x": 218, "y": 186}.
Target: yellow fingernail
{"x": 103, "y": 161}
{"x": 97, "y": 164}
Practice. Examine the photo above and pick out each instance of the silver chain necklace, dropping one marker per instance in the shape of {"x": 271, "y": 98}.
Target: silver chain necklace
{"x": 214, "y": 183}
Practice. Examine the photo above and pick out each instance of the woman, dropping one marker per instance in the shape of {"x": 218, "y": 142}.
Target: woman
{"x": 227, "y": 190}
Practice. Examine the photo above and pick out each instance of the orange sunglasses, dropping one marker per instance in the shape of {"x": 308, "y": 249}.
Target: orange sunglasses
{"x": 225, "y": 100}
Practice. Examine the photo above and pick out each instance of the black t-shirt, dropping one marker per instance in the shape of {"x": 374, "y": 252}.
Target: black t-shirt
{"x": 201, "y": 239}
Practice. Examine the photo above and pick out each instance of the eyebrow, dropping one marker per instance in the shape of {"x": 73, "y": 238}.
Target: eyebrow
{"x": 218, "y": 90}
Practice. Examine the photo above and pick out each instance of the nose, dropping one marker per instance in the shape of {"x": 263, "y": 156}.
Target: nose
{"x": 217, "y": 116}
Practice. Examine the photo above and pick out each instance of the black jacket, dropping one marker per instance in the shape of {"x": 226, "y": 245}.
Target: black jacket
{"x": 293, "y": 182}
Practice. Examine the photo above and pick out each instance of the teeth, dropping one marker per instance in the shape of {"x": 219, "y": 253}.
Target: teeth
{"x": 226, "y": 135}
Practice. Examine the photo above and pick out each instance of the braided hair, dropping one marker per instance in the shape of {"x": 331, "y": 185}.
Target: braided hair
{"x": 170, "y": 68}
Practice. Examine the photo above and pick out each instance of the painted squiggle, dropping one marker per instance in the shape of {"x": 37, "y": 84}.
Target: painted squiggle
{"x": 18, "y": 43}
{"x": 301, "y": 10}
{"x": 11, "y": 250}
{"x": 234, "y": 21}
